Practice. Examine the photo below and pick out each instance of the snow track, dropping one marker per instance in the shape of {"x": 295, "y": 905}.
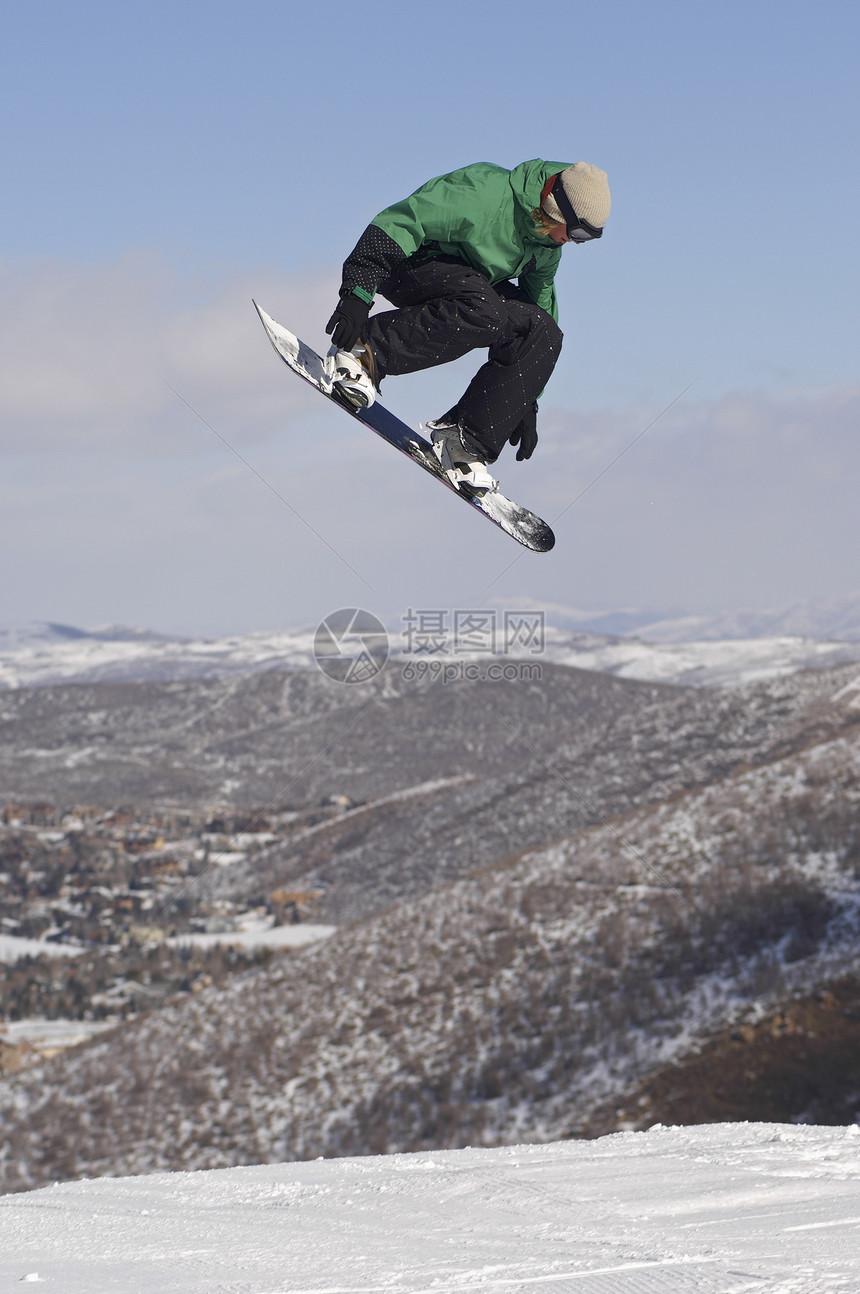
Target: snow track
{"x": 724, "y": 1209}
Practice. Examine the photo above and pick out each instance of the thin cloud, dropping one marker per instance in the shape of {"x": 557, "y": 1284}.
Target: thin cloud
{"x": 85, "y": 351}
{"x": 726, "y": 430}
{"x": 744, "y": 500}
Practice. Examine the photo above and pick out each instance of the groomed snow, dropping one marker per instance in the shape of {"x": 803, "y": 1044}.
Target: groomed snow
{"x": 723, "y": 1209}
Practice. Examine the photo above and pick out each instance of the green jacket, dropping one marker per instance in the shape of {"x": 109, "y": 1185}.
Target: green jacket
{"x": 481, "y": 214}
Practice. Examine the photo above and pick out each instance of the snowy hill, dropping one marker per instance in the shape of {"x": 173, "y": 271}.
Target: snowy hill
{"x": 45, "y": 635}
{"x": 442, "y": 778}
{"x": 683, "y": 660}
{"x": 36, "y": 654}
{"x": 693, "y": 652}
{"x": 837, "y": 619}
{"x": 833, "y": 618}
{"x": 547, "y": 893}
{"x": 727, "y": 1209}
{"x": 510, "y": 1003}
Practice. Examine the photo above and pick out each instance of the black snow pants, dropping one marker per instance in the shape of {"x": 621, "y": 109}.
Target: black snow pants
{"x": 445, "y": 309}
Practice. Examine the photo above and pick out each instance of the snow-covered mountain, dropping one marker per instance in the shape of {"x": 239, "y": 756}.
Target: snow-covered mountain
{"x": 39, "y": 654}
{"x": 44, "y": 634}
{"x": 837, "y": 619}
{"x": 556, "y": 888}
{"x": 725, "y": 1209}
{"x": 469, "y": 751}
{"x": 717, "y": 662}
{"x": 518, "y": 998}
{"x": 834, "y": 618}
{"x": 692, "y": 652}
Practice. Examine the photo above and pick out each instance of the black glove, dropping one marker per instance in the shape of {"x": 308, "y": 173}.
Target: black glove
{"x": 347, "y": 323}
{"x": 525, "y": 435}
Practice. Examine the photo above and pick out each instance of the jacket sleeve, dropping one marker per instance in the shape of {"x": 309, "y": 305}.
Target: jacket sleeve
{"x": 443, "y": 210}
{"x": 539, "y": 284}
{"x": 374, "y": 257}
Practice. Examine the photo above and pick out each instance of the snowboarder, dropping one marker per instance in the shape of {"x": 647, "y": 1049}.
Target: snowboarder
{"x": 446, "y": 258}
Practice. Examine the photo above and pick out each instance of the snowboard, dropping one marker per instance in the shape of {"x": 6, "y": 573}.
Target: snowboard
{"x": 516, "y": 521}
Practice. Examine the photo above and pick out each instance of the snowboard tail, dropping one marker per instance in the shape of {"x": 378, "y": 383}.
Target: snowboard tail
{"x": 516, "y": 521}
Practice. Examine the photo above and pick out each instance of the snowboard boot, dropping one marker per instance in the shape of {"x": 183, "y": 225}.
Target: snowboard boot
{"x": 460, "y": 463}
{"x": 355, "y": 375}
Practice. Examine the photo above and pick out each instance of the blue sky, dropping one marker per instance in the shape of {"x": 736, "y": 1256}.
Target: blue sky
{"x": 163, "y": 163}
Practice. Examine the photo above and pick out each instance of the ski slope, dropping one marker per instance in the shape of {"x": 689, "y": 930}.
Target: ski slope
{"x": 721, "y": 1209}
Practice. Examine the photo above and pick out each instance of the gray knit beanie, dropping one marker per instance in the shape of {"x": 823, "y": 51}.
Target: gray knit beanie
{"x": 588, "y": 190}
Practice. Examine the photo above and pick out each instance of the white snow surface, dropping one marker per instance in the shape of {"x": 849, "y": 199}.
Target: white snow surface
{"x": 722, "y": 663}
{"x": 38, "y": 655}
{"x": 53, "y": 1033}
{"x": 259, "y": 935}
{"x": 719, "y": 1209}
{"x": 30, "y": 658}
{"x": 14, "y": 947}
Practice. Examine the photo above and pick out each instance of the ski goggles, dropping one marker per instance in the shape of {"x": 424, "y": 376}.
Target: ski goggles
{"x": 578, "y": 230}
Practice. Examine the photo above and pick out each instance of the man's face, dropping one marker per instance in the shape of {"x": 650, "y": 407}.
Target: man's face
{"x": 558, "y": 234}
